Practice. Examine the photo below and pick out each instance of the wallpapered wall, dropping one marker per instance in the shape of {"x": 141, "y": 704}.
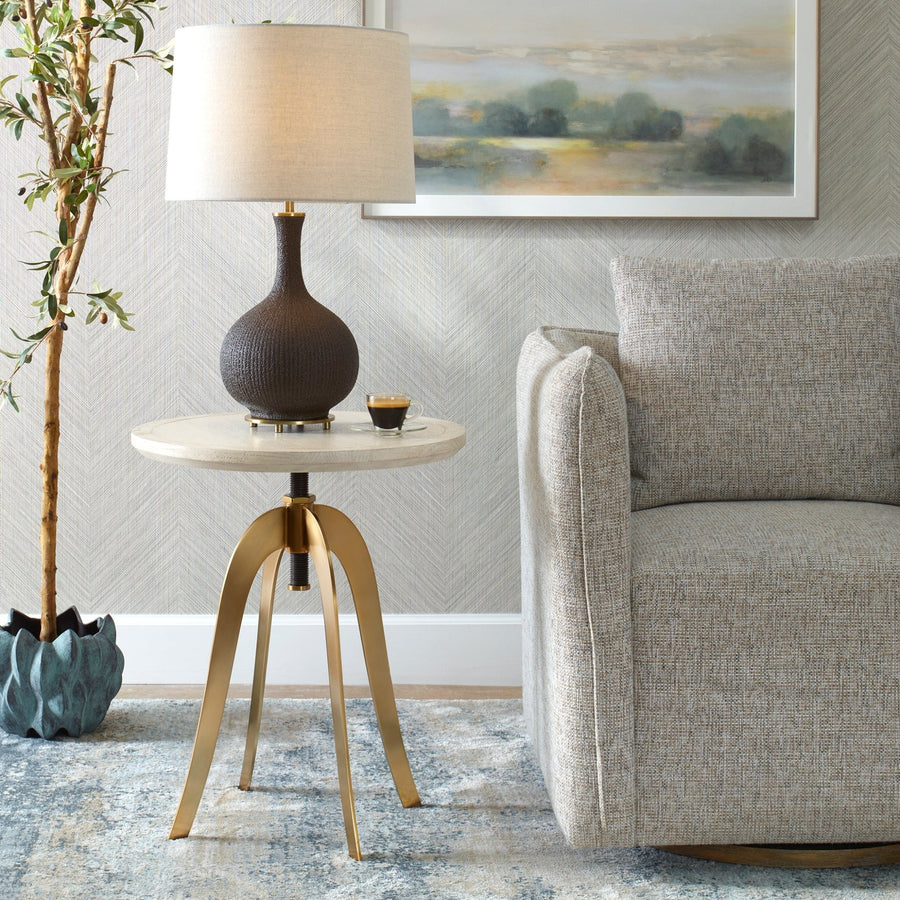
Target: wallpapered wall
{"x": 439, "y": 307}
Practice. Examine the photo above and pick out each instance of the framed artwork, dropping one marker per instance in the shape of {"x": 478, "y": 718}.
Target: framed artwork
{"x": 610, "y": 108}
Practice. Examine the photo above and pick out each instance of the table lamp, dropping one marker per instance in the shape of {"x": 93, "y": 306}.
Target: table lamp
{"x": 290, "y": 113}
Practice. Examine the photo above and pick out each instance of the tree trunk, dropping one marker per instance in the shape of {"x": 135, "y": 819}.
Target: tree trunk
{"x": 77, "y": 227}
{"x": 68, "y": 266}
{"x": 50, "y": 476}
{"x": 50, "y": 461}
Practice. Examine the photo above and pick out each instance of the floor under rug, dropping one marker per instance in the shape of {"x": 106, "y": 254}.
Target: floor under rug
{"x": 88, "y": 818}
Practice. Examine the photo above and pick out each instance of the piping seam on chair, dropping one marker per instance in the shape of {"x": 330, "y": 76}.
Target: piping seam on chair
{"x": 601, "y": 799}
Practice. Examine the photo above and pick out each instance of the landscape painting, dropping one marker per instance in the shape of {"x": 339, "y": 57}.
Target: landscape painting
{"x": 610, "y": 107}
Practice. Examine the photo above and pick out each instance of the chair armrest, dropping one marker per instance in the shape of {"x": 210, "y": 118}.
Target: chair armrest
{"x": 574, "y": 482}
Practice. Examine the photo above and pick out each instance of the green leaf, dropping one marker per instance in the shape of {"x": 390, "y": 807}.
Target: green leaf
{"x": 6, "y": 81}
{"x": 66, "y": 173}
{"x": 17, "y": 129}
{"x": 63, "y": 231}
{"x": 14, "y": 51}
{"x": 32, "y": 338}
{"x": 24, "y": 105}
{"x": 138, "y": 36}
{"x": 51, "y": 306}
{"x": 12, "y": 400}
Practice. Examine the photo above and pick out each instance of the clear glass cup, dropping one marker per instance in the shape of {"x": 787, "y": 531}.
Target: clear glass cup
{"x": 390, "y": 410}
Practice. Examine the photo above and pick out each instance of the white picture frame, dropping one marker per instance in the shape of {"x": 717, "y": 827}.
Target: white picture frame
{"x": 799, "y": 200}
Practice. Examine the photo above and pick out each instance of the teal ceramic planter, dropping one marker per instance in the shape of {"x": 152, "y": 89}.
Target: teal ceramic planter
{"x": 63, "y": 687}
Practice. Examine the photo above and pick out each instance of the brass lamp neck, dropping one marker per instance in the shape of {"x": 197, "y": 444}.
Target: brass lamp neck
{"x": 289, "y": 210}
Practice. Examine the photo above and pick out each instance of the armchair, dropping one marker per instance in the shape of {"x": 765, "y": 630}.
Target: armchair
{"x": 710, "y": 512}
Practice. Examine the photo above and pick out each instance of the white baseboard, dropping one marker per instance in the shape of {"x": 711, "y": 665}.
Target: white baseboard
{"x": 423, "y": 649}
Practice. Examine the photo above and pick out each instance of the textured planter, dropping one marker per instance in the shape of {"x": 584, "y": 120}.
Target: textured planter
{"x": 64, "y": 687}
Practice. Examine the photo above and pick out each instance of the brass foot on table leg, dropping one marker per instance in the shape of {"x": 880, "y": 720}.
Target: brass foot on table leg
{"x": 348, "y": 546}
{"x": 263, "y": 633}
{"x": 318, "y": 552}
{"x": 262, "y": 539}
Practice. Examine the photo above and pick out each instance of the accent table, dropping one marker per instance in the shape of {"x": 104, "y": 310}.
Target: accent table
{"x": 306, "y": 530}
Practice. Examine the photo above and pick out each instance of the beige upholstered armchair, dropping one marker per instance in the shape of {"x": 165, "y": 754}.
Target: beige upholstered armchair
{"x": 711, "y": 556}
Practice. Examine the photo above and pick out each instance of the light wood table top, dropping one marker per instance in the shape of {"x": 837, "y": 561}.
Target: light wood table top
{"x": 227, "y": 441}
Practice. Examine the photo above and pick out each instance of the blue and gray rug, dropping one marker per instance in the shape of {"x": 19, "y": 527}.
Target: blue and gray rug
{"x": 88, "y": 818}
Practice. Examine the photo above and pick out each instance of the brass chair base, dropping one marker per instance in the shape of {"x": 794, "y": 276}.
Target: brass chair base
{"x": 300, "y": 526}
{"x": 794, "y": 856}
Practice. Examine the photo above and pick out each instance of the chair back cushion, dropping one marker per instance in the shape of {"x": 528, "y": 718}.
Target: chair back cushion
{"x": 761, "y": 379}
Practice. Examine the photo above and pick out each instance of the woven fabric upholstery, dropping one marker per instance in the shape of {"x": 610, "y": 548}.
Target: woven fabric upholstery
{"x": 716, "y": 672}
{"x": 767, "y": 672}
{"x": 575, "y": 509}
{"x": 761, "y": 379}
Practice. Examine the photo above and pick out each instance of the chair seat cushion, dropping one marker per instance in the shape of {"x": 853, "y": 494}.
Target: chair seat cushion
{"x": 761, "y": 379}
{"x": 757, "y": 543}
{"x": 767, "y": 672}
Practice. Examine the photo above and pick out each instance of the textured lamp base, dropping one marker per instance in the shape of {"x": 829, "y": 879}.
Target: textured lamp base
{"x": 794, "y": 856}
{"x": 289, "y": 359}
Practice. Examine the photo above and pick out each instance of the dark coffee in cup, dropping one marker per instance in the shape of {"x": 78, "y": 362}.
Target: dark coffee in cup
{"x": 387, "y": 412}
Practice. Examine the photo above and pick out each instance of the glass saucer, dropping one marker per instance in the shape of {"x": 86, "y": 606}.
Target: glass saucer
{"x": 411, "y": 426}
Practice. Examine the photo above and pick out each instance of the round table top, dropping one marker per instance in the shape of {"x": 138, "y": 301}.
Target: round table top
{"x": 227, "y": 441}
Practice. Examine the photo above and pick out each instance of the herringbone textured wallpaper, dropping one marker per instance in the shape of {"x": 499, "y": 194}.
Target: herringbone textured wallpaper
{"x": 438, "y": 307}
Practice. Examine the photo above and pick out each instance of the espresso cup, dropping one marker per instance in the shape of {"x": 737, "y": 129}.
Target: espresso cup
{"x": 390, "y": 411}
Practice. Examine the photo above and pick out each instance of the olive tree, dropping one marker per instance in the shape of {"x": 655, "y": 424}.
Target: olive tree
{"x": 64, "y": 94}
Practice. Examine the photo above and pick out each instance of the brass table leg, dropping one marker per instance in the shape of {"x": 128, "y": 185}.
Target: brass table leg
{"x": 263, "y": 633}
{"x": 348, "y": 546}
{"x": 318, "y": 553}
{"x": 263, "y": 538}
{"x": 300, "y": 526}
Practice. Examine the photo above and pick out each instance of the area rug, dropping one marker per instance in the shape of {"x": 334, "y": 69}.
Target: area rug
{"x": 88, "y": 818}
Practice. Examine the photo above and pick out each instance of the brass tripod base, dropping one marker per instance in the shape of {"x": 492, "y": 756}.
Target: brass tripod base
{"x": 794, "y": 856}
{"x": 300, "y": 526}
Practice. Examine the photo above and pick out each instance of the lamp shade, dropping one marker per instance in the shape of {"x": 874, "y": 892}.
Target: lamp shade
{"x": 291, "y": 112}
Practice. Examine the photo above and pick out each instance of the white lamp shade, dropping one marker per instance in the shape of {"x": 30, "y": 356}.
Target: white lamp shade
{"x": 291, "y": 112}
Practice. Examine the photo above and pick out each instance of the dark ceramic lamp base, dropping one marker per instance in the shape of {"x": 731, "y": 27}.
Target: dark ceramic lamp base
{"x": 289, "y": 359}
